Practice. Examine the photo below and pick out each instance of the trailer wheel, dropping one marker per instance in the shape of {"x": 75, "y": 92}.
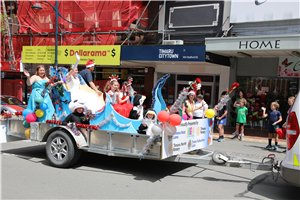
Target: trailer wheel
{"x": 216, "y": 159}
{"x": 61, "y": 150}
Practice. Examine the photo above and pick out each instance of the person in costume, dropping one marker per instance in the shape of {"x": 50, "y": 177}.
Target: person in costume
{"x": 137, "y": 112}
{"x": 91, "y": 99}
{"x": 120, "y": 99}
{"x": 188, "y": 106}
{"x": 77, "y": 108}
{"x": 86, "y": 74}
{"x": 149, "y": 120}
{"x": 39, "y": 82}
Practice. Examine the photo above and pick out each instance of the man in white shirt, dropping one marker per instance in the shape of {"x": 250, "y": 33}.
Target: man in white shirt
{"x": 200, "y": 108}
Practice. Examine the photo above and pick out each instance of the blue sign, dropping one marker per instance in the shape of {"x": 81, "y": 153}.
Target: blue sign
{"x": 163, "y": 53}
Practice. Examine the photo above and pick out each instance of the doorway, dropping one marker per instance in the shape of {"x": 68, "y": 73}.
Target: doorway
{"x": 207, "y": 90}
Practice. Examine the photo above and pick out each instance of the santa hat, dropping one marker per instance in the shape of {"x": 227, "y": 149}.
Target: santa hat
{"x": 73, "y": 105}
{"x": 192, "y": 92}
{"x": 90, "y": 63}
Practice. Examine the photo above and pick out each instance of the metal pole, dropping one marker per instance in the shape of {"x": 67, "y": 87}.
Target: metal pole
{"x": 10, "y": 37}
{"x": 56, "y": 32}
{"x": 163, "y": 35}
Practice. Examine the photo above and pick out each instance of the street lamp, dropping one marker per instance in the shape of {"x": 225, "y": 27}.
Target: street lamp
{"x": 37, "y": 7}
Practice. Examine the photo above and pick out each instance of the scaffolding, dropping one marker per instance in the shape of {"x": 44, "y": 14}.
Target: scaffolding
{"x": 11, "y": 58}
{"x": 93, "y": 35}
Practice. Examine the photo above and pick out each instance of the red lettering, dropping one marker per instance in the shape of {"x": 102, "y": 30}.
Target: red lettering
{"x": 84, "y": 53}
{"x": 89, "y": 53}
{"x": 93, "y": 53}
{"x": 104, "y": 53}
{"x": 71, "y": 52}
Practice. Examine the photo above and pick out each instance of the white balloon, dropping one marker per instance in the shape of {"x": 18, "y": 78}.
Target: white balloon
{"x": 170, "y": 130}
{"x": 157, "y": 129}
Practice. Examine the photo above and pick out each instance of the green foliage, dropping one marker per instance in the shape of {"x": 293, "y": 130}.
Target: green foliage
{"x": 3, "y": 19}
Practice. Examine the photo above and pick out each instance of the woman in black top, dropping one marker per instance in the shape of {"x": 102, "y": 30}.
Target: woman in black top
{"x": 76, "y": 107}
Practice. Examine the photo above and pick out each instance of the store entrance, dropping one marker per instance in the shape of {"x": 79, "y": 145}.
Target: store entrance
{"x": 207, "y": 90}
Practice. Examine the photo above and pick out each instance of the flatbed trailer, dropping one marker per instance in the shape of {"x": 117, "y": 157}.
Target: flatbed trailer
{"x": 63, "y": 147}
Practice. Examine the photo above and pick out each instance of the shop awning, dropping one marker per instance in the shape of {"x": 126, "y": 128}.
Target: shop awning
{"x": 170, "y": 55}
{"x": 255, "y": 46}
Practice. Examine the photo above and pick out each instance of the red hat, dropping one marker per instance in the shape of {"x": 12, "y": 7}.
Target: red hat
{"x": 90, "y": 63}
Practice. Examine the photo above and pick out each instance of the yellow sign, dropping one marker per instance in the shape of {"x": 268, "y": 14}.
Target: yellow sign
{"x": 101, "y": 55}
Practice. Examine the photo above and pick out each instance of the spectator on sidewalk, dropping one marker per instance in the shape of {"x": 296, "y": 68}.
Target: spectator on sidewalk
{"x": 222, "y": 119}
{"x": 241, "y": 119}
{"x": 274, "y": 118}
{"x": 236, "y": 104}
{"x": 291, "y": 101}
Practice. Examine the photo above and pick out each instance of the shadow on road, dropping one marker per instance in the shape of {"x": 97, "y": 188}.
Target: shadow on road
{"x": 150, "y": 170}
{"x": 265, "y": 186}
{"x": 37, "y": 151}
{"x": 267, "y": 150}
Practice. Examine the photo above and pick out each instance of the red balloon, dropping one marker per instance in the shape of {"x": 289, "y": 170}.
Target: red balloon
{"x": 175, "y": 119}
{"x": 163, "y": 116}
{"x": 31, "y": 117}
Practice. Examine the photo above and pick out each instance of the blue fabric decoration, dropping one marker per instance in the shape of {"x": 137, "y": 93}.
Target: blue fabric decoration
{"x": 158, "y": 104}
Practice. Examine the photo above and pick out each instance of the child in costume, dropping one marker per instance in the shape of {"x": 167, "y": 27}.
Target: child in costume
{"x": 147, "y": 123}
{"x": 137, "y": 112}
{"x": 120, "y": 100}
{"x": 77, "y": 108}
{"x": 188, "y": 106}
{"x": 274, "y": 118}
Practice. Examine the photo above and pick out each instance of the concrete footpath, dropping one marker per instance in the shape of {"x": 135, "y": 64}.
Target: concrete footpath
{"x": 250, "y": 134}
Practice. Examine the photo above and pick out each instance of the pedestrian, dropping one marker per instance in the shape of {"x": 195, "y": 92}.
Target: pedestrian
{"x": 200, "y": 108}
{"x": 86, "y": 74}
{"x": 291, "y": 101}
{"x": 274, "y": 118}
{"x": 241, "y": 119}
{"x": 222, "y": 119}
{"x": 236, "y": 104}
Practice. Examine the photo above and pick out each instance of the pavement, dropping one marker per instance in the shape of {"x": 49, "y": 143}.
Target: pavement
{"x": 27, "y": 174}
{"x": 250, "y": 134}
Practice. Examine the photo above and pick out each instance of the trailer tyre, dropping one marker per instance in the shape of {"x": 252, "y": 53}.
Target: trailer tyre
{"x": 218, "y": 160}
{"x": 61, "y": 150}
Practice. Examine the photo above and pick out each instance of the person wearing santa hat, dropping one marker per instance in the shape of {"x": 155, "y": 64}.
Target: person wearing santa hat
{"x": 86, "y": 74}
{"x": 188, "y": 106}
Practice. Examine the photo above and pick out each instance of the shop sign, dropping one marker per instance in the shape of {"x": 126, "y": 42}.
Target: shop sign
{"x": 164, "y": 53}
{"x": 289, "y": 67}
{"x": 101, "y": 55}
{"x": 190, "y": 135}
{"x": 255, "y": 44}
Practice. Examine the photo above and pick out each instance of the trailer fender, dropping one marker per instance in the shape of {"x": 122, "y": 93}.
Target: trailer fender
{"x": 79, "y": 139}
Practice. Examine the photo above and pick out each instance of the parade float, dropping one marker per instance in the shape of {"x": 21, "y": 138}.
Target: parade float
{"x": 109, "y": 133}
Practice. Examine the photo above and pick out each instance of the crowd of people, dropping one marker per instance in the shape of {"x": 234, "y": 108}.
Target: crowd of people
{"x": 274, "y": 118}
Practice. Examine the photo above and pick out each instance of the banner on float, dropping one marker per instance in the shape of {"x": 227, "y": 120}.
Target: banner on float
{"x": 101, "y": 55}
{"x": 190, "y": 135}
